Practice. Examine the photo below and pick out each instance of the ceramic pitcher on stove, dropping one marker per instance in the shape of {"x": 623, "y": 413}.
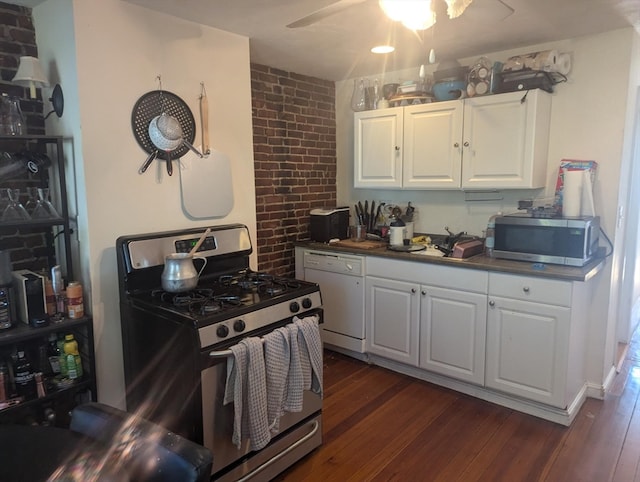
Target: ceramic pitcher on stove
{"x": 179, "y": 272}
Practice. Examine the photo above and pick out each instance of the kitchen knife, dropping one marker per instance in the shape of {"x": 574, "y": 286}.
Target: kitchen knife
{"x": 358, "y": 215}
{"x": 378, "y": 213}
{"x": 372, "y": 219}
{"x": 366, "y": 213}
{"x": 361, "y": 211}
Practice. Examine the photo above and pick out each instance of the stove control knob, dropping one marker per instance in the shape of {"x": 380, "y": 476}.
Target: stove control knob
{"x": 307, "y": 303}
{"x": 239, "y": 325}
{"x": 222, "y": 331}
{"x": 294, "y": 307}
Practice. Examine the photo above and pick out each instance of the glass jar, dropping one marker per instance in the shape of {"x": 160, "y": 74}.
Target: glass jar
{"x": 14, "y": 125}
{"x": 11, "y": 117}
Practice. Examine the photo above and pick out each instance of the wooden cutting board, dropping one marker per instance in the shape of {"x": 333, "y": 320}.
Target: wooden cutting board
{"x": 366, "y": 244}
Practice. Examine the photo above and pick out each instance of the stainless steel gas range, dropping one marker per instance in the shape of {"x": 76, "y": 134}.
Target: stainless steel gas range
{"x": 176, "y": 345}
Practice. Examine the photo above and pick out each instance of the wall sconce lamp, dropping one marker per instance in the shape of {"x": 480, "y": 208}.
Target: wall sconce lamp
{"x": 30, "y": 74}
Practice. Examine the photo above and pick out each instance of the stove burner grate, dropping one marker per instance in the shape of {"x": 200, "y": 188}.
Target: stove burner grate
{"x": 261, "y": 282}
{"x": 201, "y": 300}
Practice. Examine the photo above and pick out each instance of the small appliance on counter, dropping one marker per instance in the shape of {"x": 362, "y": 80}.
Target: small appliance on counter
{"x": 31, "y": 298}
{"x": 566, "y": 241}
{"x": 329, "y": 223}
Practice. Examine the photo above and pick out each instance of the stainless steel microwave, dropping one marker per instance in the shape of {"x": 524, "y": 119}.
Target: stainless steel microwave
{"x": 567, "y": 241}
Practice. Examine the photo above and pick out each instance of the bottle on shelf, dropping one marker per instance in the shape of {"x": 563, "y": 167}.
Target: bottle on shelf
{"x": 53, "y": 351}
{"x": 61, "y": 357}
{"x": 73, "y": 359}
{"x": 75, "y": 302}
{"x": 40, "y": 390}
{"x": 23, "y": 376}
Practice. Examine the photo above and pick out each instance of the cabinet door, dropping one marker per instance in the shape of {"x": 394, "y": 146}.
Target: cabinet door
{"x": 527, "y": 349}
{"x": 452, "y": 333}
{"x": 392, "y": 316}
{"x": 378, "y": 148}
{"x": 342, "y": 301}
{"x": 432, "y": 145}
{"x": 505, "y": 139}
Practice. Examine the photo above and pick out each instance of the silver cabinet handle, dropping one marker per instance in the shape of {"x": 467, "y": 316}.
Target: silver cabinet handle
{"x": 456, "y": 145}
{"x": 413, "y": 290}
{"x": 466, "y": 144}
{"x": 525, "y": 289}
{"x": 492, "y": 303}
{"x": 424, "y": 293}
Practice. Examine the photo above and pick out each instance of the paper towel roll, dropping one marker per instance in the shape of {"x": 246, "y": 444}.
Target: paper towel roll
{"x": 545, "y": 60}
{"x": 587, "y": 207}
{"x": 562, "y": 64}
{"x": 572, "y": 193}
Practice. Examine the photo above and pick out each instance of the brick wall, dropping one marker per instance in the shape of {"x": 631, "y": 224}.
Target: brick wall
{"x": 294, "y": 139}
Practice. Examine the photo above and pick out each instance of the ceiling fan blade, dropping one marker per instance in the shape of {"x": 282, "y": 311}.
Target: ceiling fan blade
{"x": 324, "y": 13}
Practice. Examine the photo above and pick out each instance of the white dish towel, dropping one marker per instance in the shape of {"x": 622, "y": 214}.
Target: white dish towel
{"x": 277, "y": 354}
{"x": 246, "y": 388}
{"x": 310, "y": 345}
{"x": 295, "y": 378}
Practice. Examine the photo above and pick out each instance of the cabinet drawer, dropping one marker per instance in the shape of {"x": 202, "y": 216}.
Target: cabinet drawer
{"x": 539, "y": 290}
{"x": 429, "y": 274}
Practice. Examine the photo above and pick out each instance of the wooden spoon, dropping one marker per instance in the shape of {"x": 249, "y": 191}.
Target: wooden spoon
{"x": 200, "y": 241}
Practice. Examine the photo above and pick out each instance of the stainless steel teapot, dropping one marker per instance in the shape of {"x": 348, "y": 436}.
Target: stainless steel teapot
{"x": 179, "y": 273}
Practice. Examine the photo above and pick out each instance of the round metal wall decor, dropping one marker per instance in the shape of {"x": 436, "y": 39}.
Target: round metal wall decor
{"x": 153, "y": 104}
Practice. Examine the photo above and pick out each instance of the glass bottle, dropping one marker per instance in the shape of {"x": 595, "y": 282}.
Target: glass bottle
{"x": 358, "y": 98}
{"x": 23, "y": 377}
{"x": 15, "y": 120}
{"x": 73, "y": 359}
{"x": 54, "y": 354}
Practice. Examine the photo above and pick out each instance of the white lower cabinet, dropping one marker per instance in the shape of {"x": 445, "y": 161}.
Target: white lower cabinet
{"x": 534, "y": 340}
{"x": 515, "y": 340}
{"x": 452, "y": 333}
{"x": 392, "y": 314}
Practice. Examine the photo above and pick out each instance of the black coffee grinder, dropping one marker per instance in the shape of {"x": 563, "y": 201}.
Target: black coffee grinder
{"x": 7, "y": 305}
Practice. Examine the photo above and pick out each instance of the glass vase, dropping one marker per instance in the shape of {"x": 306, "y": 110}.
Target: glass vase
{"x": 358, "y": 98}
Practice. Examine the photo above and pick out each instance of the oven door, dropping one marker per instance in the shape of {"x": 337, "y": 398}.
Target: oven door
{"x": 300, "y": 431}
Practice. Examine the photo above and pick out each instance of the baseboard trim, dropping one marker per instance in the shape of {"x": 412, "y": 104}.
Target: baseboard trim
{"x": 546, "y": 412}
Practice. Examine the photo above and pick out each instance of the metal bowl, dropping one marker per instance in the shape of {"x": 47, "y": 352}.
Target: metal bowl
{"x": 159, "y": 140}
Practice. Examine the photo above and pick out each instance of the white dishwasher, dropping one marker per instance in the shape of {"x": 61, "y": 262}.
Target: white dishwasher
{"x": 341, "y": 280}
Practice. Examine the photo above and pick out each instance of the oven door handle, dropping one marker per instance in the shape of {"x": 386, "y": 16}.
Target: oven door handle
{"x": 215, "y": 355}
{"x": 314, "y": 430}
{"x": 220, "y": 354}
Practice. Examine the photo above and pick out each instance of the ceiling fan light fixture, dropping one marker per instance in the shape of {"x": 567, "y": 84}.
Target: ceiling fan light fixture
{"x": 414, "y": 14}
{"x": 383, "y": 49}
{"x": 455, "y": 8}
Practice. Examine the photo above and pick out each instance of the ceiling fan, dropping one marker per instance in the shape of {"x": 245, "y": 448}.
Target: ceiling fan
{"x": 454, "y": 8}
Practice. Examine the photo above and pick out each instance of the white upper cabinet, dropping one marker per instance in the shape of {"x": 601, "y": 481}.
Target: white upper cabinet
{"x": 492, "y": 142}
{"x": 432, "y": 146}
{"x": 506, "y": 140}
{"x": 378, "y": 148}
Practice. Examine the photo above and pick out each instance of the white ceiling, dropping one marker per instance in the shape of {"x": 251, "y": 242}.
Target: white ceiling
{"x": 338, "y": 47}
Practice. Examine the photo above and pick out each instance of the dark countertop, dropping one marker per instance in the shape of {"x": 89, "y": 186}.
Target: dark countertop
{"x": 482, "y": 262}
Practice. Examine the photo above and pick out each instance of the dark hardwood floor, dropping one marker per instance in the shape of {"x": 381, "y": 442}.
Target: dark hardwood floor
{"x": 382, "y": 426}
